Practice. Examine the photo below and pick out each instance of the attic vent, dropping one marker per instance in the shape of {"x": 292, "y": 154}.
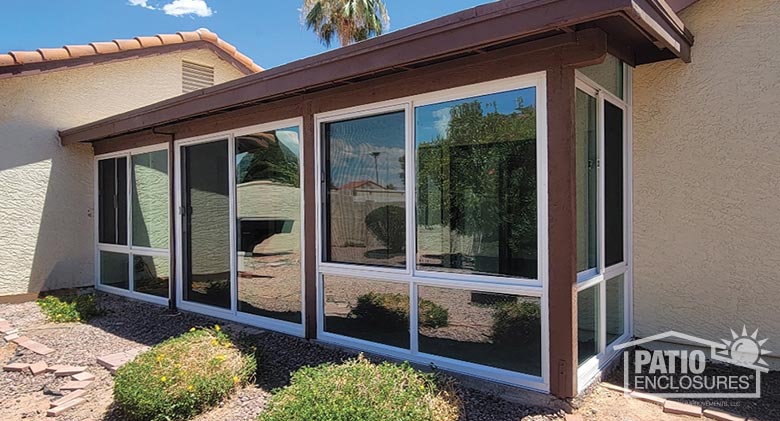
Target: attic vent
{"x": 195, "y": 76}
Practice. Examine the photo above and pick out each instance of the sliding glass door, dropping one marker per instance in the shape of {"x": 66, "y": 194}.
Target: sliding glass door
{"x": 205, "y": 212}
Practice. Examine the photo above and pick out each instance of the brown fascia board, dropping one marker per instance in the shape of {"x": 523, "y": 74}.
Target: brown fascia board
{"x": 468, "y": 30}
{"x": 56, "y": 65}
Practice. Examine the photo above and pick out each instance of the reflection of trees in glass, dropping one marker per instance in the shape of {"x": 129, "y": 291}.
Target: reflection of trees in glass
{"x": 264, "y": 157}
{"x": 480, "y": 181}
{"x": 387, "y": 224}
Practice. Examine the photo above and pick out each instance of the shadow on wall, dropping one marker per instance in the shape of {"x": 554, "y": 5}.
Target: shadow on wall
{"x": 46, "y": 208}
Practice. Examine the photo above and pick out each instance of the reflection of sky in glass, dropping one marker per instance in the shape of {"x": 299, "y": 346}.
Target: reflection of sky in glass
{"x": 431, "y": 121}
{"x": 288, "y": 139}
{"x": 354, "y": 143}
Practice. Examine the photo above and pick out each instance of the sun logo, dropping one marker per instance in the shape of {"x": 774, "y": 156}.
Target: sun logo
{"x": 745, "y": 350}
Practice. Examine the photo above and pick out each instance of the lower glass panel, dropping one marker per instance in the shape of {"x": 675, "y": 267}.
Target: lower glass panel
{"x": 497, "y": 330}
{"x": 615, "y": 308}
{"x": 114, "y": 270}
{"x": 151, "y": 275}
{"x": 371, "y": 310}
{"x": 588, "y": 323}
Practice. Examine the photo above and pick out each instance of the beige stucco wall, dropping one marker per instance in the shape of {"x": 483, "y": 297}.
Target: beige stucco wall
{"x": 46, "y": 190}
{"x": 707, "y": 178}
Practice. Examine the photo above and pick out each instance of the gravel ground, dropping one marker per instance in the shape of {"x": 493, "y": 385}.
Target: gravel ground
{"x": 130, "y": 324}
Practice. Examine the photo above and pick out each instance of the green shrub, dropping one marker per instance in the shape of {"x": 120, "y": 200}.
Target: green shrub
{"x": 360, "y": 390}
{"x": 74, "y": 308}
{"x": 392, "y": 310}
{"x": 181, "y": 377}
{"x": 387, "y": 224}
{"x": 516, "y": 322}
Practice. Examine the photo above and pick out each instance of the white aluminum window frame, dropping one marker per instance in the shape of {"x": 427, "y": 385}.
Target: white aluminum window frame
{"x": 233, "y": 314}
{"x": 127, "y": 249}
{"x": 413, "y": 277}
{"x": 597, "y": 277}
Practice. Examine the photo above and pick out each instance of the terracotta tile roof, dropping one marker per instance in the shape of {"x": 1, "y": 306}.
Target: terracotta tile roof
{"x": 15, "y": 58}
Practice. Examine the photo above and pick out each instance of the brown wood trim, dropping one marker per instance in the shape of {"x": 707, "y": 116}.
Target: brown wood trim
{"x": 19, "y": 298}
{"x": 562, "y": 282}
{"x": 309, "y": 223}
{"x": 443, "y": 38}
{"x": 56, "y": 65}
{"x": 576, "y": 49}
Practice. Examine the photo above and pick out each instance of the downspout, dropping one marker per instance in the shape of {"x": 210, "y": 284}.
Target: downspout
{"x": 171, "y": 225}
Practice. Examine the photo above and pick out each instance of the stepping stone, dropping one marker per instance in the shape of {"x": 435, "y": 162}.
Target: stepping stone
{"x": 55, "y": 367}
{"x": 11, "y": 337}
{"x": 67, "y": 398}
{"x": 84, "y": 376}
{"x": 20, "y": 340}
{"x": 113, "y": 361}
{"x": 37, "y": 347}
{"x": 673, "y": 407}
{"x": 57, "y": 410}
{"x": 13, "y": 332}
{"x": 648, "y": 398}
{"x": 721, "y": 416}
{"x": 16, "y": 367}
{"x": 73, "y": 385}
{"x": 65, "y": 371}
{"x": 6, "y": 327}
{"x": 38, "y": 368}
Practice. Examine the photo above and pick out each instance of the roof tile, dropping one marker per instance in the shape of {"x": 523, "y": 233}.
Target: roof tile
{"x": 169, "y": 39}
{"x": 80, "y": 50}
{"x": 54, "y": 53}
{"x": 7, "y": 60}
{"x": 149, "y": 41}
{"x": 207, "y": 35}
{"x": 104, "y": 47}
{"x": 189, "y": 36}
{"x": 22, "y": 57}
{"x": 228, "y": 47}
{"x": 127, "y": 44}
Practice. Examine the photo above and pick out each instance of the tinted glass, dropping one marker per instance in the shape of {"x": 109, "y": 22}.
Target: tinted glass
{"x": 364, "y": 218}
{"x": 587, "y": 177}
{"x": 371, "y": 310}
{"x": 268, "y": 203}
{"x": 613, "y": 184}
{"x": 608, "y": 74}
{"x": 151, "y": 275}
{"x": 150, "y": 200}
{"x": 615, "y": 309}
{"x": 112, "y": 201}
{"x": 588, "y": 323}
{"x": 206, "y": 223}
{"x": 114, "y": 270}
{"x": 498, "y": 330}
{"x": 476, "y": 185}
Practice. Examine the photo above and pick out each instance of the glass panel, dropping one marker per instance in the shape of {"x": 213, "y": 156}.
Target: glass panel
{"x": 205, "y": 195}
{"x": 615, "y": 308}
{"x": 150, "y": 200}
{"x": 587, "y": 178}
{"x": 476, "y": 185}
{"x": 613, "y": 184}
{"x": 498, "y": 330}
{"x": 608, "y": 74}
{"x": 114, "y": 270}
{"x": 371, "y": 310}
{"x": 151, "y": 275}
{"x": 268, "y": 202}
{"x": 112, "y": 201}
{"x": 364, "y": 216}
{"x": 588, "y": 323}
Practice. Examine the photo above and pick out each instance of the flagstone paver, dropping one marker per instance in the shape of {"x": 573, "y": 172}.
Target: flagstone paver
{"x": 57, "y": 410}
{"x": 67, "y": 398}
{"x": 68, "y": 371}
{"x": 38, "y": 368}
{"x": 16, "y": 367}
{"x": 75, "y": 385}
{"x": 36, "y": 347}
{"x": 83, "y": 376}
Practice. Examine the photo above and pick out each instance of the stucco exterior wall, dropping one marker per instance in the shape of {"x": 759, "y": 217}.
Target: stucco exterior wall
{"x": 707, "y": 178}
{"x": 46, "y": 190}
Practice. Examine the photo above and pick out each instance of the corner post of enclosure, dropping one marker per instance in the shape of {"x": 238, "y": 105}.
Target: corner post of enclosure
{"x": 309, "y": 222}
{"x": 562, "y": 231}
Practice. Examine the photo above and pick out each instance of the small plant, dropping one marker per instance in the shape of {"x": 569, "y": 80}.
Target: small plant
{"x": 74, "y": 308}
{"x": 182, "y": 376}
{"x": 516, "y": 322}
{"x": 392, "y": 310}
{"x": 360, "y": 390}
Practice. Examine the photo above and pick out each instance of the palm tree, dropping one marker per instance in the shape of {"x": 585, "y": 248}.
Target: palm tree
{"x": 348, "y": 20}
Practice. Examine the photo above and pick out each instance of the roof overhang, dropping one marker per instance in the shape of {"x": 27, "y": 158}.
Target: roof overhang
{"x": 639, "y": 31}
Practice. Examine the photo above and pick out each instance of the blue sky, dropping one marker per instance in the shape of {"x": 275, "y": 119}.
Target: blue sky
{"x": 268, "y": 31}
